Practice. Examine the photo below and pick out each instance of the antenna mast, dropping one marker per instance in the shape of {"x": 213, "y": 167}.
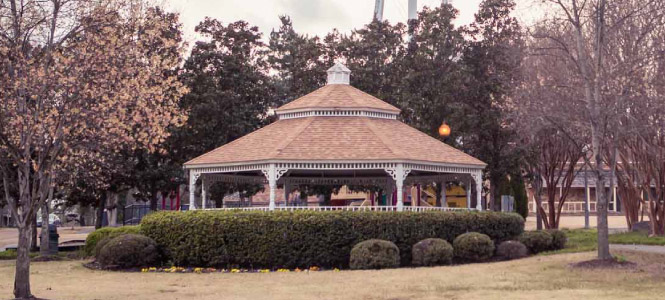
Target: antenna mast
{"x": 413, "y": 8}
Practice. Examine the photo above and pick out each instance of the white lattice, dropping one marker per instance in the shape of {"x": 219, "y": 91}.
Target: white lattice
{"x": 336, "y": 113}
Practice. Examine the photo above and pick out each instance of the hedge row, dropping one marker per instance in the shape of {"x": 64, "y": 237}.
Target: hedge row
{"x": 307, "y": 238}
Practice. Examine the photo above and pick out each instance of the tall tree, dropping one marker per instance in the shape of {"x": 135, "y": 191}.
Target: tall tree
{"x": 492, "y": 65}
{"x": 432, "y": 74}
{"x": 229, "y": 90}
{"x": 78, "y": 82}
{"x": 589, "y": 29}
{"x": 373, "y": 53}
{"x": 298, "y": 59}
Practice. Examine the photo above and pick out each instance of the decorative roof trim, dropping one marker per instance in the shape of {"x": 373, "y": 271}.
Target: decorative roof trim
{"x": 335, "y": 165}
{"x": 337, "y": 113}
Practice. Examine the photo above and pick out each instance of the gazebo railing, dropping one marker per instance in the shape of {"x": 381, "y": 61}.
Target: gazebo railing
{"x": 347, "y": 208}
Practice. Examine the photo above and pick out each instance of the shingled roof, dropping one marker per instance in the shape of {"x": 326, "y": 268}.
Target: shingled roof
{"x": 336, "y": 138}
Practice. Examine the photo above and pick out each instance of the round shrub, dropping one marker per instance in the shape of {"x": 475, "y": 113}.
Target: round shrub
{"x": 374, "y": 254}
{"x": 536, "y": 241}
{"x": 473, "y": 247}
{"x": 559, "y": 239}
{"x": 102, "y": 233}
{"x": 128, "y": 251}
{"x": 511, "y": 250}
{"x": 432, "y": 252}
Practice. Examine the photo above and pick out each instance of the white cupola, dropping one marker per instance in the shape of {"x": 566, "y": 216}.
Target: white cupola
{"x": 339, "y": 74}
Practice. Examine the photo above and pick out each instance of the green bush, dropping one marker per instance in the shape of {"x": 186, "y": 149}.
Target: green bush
{"x": 128, "y": 251}
{"x": 511, "y": 250}
{"x": 99, "y": 234}
{"x": 536, "y": 241}
{"x": 374, "y": 254}
{"x": 473, "y": 247}
{"x": 432, "y": 252}
{"x": 293, "y": 239}
{"x": 559, "y": 239}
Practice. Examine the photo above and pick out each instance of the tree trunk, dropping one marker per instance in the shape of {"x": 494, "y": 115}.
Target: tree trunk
{"x": 438, "y": 190}
{"x": 601, "y": 210}
{"x": 33, "y": 233}
{"x": 22, "y": 277}
{"x": 44, "y": 236}
{"x": 100, "y": 213}
{"x": 82, "y": 211}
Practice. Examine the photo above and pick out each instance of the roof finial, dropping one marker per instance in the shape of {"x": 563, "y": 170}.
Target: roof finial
{"x": 339, "y": 74}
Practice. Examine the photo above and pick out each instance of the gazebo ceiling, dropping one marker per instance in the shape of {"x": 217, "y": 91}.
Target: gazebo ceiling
{"x": 322, "y": 138}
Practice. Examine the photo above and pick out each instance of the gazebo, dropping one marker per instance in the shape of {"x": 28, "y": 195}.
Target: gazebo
{"x": 337, "y": 135}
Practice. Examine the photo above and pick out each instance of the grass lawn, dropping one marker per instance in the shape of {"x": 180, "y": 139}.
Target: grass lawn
{"x": 581, "y": 240}
{"x": 539, "y": 277}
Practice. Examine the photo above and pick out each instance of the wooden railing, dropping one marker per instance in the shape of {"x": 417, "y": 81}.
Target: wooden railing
{"x": 347, "y": 208}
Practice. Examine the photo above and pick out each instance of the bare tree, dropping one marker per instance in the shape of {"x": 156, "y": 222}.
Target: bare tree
{"x": 78, "y": 81}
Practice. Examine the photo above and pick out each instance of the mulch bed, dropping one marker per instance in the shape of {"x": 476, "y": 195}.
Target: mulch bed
{"x": 604, "y": 264}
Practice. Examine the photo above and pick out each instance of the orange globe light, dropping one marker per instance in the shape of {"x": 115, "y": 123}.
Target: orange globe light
{"x": 444, "y": 130}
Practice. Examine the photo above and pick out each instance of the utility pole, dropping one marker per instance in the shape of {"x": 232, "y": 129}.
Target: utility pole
{"x": 413, "y": 9}
{"x": 378, "y": 10}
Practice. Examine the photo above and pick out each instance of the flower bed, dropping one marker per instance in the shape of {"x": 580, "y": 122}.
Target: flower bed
{"x": 301, "y": 239}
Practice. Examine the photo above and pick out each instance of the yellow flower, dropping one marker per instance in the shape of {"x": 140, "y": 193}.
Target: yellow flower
{"x": 314, "y": 268}
{"x": 336, "y": 269}
{"x": 235, "y": 271}
{"x": 264, "y": 271}
{"x": 144, "y": 270}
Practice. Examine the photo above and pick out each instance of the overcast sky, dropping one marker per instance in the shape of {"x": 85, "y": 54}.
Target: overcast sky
{"x": 315, "y": 17}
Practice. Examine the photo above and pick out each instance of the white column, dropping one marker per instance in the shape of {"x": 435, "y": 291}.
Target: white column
{"x": 273, "y": 173}
{"x": 468, "y": 194}
{"x": 193, "y": 176}
{"x": 478, "y": 178}
{"x": 272, "y": 183}
{"x": 204, "y": 198}
{"x": 444, "y": 201}
{"x": 399, "y": 183}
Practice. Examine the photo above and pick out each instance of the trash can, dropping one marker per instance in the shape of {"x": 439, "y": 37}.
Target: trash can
{"x": 53, "y": 237}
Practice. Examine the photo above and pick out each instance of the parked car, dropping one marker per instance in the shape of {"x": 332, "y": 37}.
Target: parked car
{"x": 52, "y": 220}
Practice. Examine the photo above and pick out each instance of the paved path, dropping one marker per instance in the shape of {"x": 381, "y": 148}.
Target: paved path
{"x": 9, "y": 236}
{"x": 575, "y": 222}
{"x": 639, "y": 248}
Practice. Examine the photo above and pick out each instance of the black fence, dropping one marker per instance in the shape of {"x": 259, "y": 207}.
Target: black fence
{"x": 132, "y": 214}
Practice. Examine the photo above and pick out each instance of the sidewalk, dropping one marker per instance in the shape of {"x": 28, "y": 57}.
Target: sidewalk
{"x": 9, "y": 236}
{"x": 617, "y": 223}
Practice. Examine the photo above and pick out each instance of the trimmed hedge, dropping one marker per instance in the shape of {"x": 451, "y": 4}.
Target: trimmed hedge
{"x": 374, "y": 254}
{"x": 536, "y": 241}
{"x": 102, "y": 233}
{"x": 473, "y": 247}
{"x": 307, "y": 238}
{"x": 432, "y": 252}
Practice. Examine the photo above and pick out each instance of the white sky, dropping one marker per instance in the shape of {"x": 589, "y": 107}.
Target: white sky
{"x": 317, "y": 17}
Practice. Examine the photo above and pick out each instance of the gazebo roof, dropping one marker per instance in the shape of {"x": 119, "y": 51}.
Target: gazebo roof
{"x": 336, "y": 123}
{"x": 336, "y": 139}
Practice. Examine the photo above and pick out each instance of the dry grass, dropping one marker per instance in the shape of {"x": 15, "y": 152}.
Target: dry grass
{"x": 539, "y": 277}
